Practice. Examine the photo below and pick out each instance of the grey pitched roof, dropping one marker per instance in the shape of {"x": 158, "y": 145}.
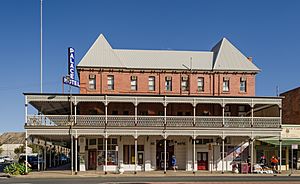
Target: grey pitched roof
{"x": 228, "y": 57}
{"x": 158, "y": 59}
{"x": 101, "y": 54}
{"x": 12, "y": 138}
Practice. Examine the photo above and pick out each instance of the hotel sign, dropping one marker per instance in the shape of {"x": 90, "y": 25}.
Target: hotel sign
{"x": 71, "y": 58}
{"x": 70, "y": 79}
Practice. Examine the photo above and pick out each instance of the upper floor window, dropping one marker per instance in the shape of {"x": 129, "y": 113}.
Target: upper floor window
{"x": 151, "y": 83}
{"x": 184, "y": 83}
{"x": 168, "y": 83}
{"x": 200, "y": 84}
{"x": 133, "y": 83}
{"x": 110, "y": 82}
{"x": 92, "y": 81}
{"x": 225, "y": 84}
{"x": 243, "y": 84}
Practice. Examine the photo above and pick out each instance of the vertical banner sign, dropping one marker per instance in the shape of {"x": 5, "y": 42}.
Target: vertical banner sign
{"x": 70, "y": 79}
{"x": 71, "y": 58}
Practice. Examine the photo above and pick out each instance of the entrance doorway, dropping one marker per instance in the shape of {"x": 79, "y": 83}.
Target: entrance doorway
{"x": 202, "y": 160}
{"x": 92, "y": 160}
{"x": 160, "y": 154}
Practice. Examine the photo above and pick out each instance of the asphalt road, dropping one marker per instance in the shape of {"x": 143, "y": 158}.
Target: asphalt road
{"x": 166, "y": 179}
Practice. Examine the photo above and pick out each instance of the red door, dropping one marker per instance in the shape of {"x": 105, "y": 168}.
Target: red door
{"x": 92, "y": 159}
{"x": 202, "y": 160}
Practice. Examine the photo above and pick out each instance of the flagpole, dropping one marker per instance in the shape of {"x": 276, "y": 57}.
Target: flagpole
{"x": 41, "y": 46}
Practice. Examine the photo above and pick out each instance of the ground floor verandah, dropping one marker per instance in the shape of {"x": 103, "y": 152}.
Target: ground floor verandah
{"x": 212, "y": 150}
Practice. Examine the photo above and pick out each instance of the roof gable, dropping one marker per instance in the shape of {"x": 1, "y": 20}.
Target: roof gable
{"x": 100, "y": 55}
{"x": 228, "y": 57}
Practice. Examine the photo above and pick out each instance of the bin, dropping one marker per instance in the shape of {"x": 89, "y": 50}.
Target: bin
{"x": 244, "y": 168}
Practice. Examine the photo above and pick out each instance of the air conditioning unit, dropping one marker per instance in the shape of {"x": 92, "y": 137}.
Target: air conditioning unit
{"x": 133, "y": 77}
{"x": 184, "y": 78}
{"x": 92, "y": 76}
{"x": 225, "y": 78}
{"x": 168, "y": 78}
{"x": 243, "y": 78}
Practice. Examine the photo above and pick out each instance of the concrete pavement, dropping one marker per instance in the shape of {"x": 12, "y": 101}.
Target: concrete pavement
{"x": 67, "y": 174}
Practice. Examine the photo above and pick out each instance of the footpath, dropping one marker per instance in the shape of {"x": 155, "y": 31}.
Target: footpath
{"x": 67, "y": 174}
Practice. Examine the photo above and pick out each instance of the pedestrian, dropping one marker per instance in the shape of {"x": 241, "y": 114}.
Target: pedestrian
{"x": 274, "y": 163}
{"x": 263, "y": 161}
{"x": 174, "y": 162}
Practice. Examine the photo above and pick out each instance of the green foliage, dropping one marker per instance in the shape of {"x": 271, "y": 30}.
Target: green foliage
{"x": 35, "y": 148}
{"x": 1, "y": 150}
{"x": 19, "y": 150}
{"x": 16, "y": 169}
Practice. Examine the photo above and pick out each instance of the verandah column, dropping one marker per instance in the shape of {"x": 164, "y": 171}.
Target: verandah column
{"x": 26, "y": 136}
{"x": 165, "y": 155}
{"x": 252, "y": 153}
{"x": 280, "y": 155}
{"x": 194, "y": 154}
{"x": 194, "y": 112}
{"x": 76, "y": 160}
{"x": 45, "y": 155}
{"x": 26, "y": 152}
{"x": 50, "y": 156}
{"x": 223, "y": 153}
{"x": 105, "y": 169}
{"x": 135, "y": 155}
{"x": 72, "y": 152}
{"x": 106, "y": 104}
{"x": 223, "y": 114}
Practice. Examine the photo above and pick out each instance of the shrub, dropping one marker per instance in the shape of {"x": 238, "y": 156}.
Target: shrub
{"x": 16, "y": 169}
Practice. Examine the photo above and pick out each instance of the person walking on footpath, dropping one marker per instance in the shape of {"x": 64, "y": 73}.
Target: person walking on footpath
{"x": 174, "y": 162}
{"x": 274, "y": 163}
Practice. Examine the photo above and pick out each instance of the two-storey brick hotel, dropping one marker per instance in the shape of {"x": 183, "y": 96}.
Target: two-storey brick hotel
{"x": 138, "y": 108}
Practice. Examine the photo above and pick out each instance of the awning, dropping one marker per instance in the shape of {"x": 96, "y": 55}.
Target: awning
{"x": 285, "y": 141}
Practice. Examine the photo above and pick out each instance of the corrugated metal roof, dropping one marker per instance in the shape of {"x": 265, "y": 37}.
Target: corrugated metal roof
{"x": 100, "y": 55}
{"x": 12, "y": 138}
{"x": 156, "y": 59}
{"x": 228, "y": 57}
{"x": 224, "y": 56}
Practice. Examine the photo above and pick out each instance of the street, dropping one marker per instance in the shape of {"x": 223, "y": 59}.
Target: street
{"x": 166, "y": 179}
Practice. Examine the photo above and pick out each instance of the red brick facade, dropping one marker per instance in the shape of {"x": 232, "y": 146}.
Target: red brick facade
{"x": 213, "y": 82}
{"x": 291, "y": 107}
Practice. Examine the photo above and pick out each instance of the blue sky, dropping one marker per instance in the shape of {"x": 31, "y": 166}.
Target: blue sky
{"x": 266, "y": 30}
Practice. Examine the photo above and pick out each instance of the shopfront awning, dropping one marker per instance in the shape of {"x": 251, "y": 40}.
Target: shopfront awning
{"x": 285, "y": 142}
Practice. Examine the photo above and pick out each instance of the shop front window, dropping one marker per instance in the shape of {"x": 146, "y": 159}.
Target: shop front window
{"x": 112, "y": 151}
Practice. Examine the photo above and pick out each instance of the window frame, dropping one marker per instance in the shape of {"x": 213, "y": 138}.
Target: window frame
{"x": 111, "y": 78}
{"x": 200, "y": 88}
{"x": 168, "y": 84}
{"x": 151, "y": 87}
{"x": 226, "y": 81}
{"x": 243, "y": 88}
{"x": 184, "y": 84}
{"x": 92, "y": 78}
{"x": 133, "y": 83}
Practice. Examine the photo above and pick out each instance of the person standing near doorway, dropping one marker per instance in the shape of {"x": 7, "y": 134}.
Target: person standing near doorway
{"x": 174, "y": 162}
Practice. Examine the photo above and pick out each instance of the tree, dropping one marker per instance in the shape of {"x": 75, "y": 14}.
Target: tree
{"x": 35, "y": 148}
{"x": 19, "y": 150}
{"x": 1, "y": 149}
